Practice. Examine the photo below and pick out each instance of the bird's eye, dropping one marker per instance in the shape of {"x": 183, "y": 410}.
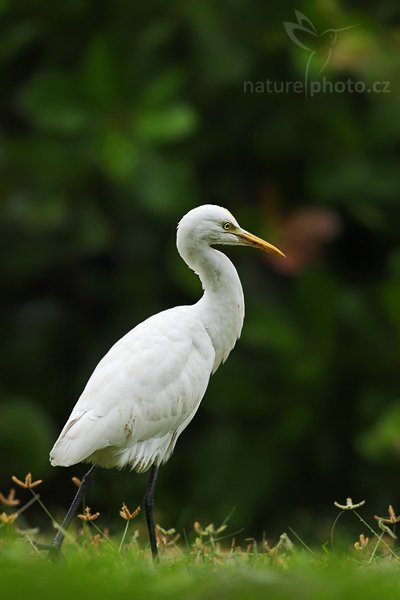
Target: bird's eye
{"x": 227, "y": 225}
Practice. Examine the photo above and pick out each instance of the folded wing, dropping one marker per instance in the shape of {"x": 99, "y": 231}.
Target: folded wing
{"x": 141, "y": 395}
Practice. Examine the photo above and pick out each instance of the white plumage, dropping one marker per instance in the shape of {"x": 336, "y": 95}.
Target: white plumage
{"x": 141, "y": 395}
{"x": 148, "y": 387}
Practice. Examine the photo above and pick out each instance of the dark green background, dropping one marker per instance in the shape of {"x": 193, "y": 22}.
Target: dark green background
{"x": 118, "y": 117}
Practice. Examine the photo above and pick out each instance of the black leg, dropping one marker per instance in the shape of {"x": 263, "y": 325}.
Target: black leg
{"x": 148, "y": 503}
{"x": 73, "y": 509}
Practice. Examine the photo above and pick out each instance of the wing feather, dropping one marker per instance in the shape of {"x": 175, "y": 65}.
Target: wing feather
{"x": 148, "y": 384}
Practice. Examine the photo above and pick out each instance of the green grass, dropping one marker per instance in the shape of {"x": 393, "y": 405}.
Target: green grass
{"x": 88, "y": 573}
{"x": 210, "y": 565}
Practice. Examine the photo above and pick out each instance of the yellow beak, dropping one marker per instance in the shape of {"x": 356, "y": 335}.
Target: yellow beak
{"x": 249, "y": 239}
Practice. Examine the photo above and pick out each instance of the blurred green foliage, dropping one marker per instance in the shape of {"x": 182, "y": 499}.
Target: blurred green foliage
{"x": 117, "y": 118}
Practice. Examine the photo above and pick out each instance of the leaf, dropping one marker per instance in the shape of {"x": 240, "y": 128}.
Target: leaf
{"x": 99, "y": 74}
{"x": 168, "y": 124}
{"x": 53, "y": 102}
{"x": 118, "y": 155}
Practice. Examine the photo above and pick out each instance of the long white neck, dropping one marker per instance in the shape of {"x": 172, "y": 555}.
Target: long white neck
{"x": 221, "y": 307}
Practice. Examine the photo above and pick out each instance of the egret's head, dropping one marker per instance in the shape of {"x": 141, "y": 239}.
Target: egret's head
{"x": 216, "y": 225}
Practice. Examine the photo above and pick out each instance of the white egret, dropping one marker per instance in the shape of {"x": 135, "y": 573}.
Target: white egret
{"x": 148, "y": 387}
